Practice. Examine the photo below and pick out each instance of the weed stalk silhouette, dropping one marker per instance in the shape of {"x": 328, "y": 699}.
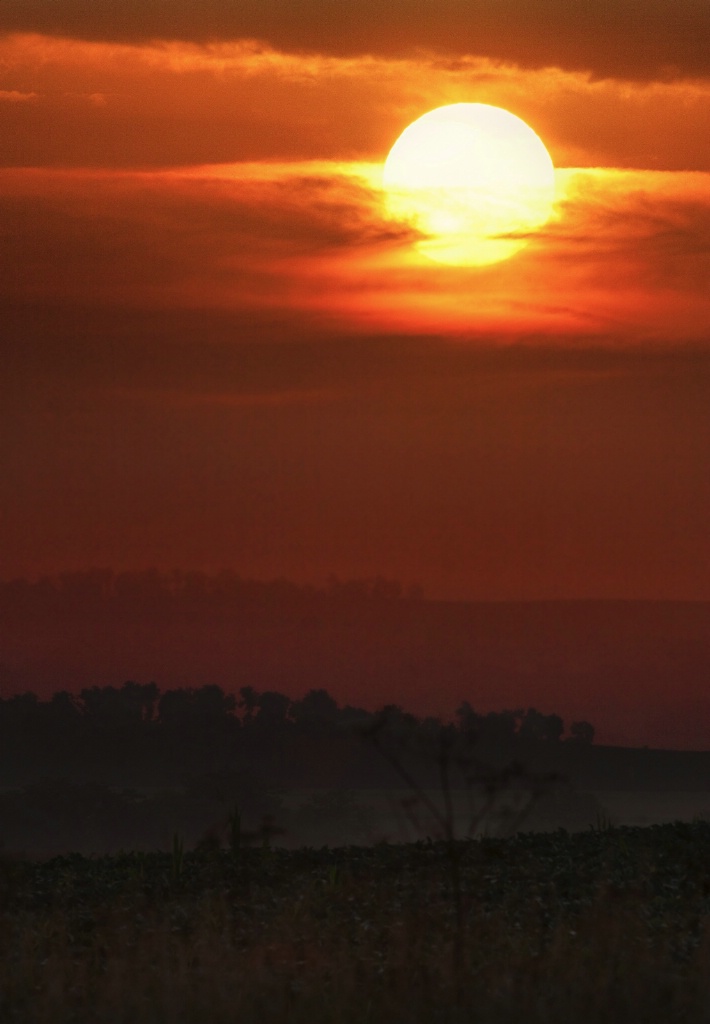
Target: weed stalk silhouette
{"x": 453, "y": 754}
{"x": 178, "y": 858}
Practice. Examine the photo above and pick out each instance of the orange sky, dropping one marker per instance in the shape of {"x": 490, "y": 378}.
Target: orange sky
{"x": 219, "y": 351}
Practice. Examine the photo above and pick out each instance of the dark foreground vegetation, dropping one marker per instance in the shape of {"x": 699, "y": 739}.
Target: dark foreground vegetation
{"x": 608, "y": 925}
{"x": 605, "y": 925}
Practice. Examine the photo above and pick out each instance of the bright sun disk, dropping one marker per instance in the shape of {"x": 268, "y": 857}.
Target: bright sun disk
{"x": 473, "y": 180}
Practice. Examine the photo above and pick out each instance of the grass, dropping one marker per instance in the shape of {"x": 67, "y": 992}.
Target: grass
{"x": 608, "y": 925}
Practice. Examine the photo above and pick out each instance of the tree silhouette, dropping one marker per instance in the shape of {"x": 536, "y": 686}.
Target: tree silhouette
{"x": 273, "y": 709}
{"x": 316, "y": 713}
{"x": 469, "y": 721}
{"x": 543, "y": 728}
{"x": 501, "y": 726}
{"x": 582, "y": 733}
{"x": 249, "y": 703}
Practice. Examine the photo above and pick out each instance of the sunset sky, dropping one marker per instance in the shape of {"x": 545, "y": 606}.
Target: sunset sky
{"x": 220, "y": 350}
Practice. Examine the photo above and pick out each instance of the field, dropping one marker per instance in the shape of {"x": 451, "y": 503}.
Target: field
{"x": 604, "y": 925}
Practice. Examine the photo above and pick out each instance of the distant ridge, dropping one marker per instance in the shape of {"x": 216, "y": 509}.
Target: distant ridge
{"x": 639, "y": 670}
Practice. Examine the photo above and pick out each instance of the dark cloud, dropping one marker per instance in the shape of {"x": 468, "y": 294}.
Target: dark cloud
{"x": 136, "y": 240}
{"x": 637, "y": 39}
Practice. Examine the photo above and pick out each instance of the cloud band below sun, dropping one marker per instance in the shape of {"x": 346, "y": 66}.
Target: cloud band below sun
{"x": 312, "y": 243}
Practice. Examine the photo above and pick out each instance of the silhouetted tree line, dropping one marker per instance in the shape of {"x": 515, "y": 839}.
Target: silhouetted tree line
{"x": 136, "y": 735}
{"x": 118, "y": 766}
{"x": 100, "y": 587}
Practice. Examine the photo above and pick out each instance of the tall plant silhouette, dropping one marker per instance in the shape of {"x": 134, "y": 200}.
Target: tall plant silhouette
{"x": 449, "y": 758}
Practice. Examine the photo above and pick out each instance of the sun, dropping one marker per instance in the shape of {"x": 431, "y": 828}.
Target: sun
{"x": 473, "y": 180}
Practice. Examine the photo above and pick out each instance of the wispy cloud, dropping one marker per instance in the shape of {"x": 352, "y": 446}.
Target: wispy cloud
{"x": 15, "y": 96}
{"x": 311, "y": 244}
{"x": 176, "y": 103}
{"x": 626, "y": 38}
